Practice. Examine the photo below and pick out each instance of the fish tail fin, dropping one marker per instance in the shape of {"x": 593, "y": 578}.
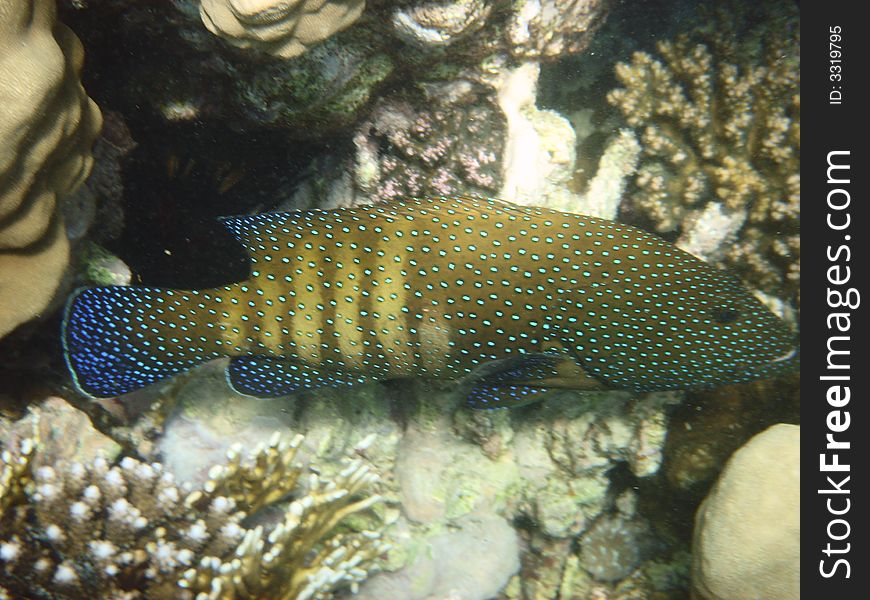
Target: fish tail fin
{"x": 117, "y": 339}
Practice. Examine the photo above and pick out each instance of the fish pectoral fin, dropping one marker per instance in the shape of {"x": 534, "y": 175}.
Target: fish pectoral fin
{"x": 273, "y": 376}
{"x": 570, "y": 375}
{"x": 524, "y": 379}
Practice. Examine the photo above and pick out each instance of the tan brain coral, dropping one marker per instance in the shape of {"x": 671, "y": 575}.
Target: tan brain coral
{"x": 285, "y": 28}
{"x": 47, "y": 125}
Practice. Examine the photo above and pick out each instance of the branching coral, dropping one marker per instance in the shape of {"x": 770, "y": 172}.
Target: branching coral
{"x": 720, "y": 124}
{"x": 129, "y": 531}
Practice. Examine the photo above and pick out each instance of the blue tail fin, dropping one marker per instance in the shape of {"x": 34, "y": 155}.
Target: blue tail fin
{"x": 118, "y": 339}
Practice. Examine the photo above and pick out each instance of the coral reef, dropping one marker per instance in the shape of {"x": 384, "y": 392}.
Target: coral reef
{"x": 320, "y": 91}
{"x": 64, "y": 434}
{"x": 436, "y": 24}
{"x": 549, "y": 28}
{"x": 554, "y": 568}
{"x": 532, "y": 30}
{"x": 47, "y": 125}
{"x": 539, "y": 145}
{"x": 100, "y": 199}
{"x": 452, "y": 146}
{"x": 416, "y": 85}
{"x": 71, "y": 528}
{"x": 456, "y": 477}
{"x": 711, "y": 424}
{"x": 313, "y": 74}
{"x": 606, "y": 188}
{"x": 719, "y": 121}
{"x": 285, "y": 29}
{"x": 396, "y": 98}
{"x": 747, "y": 531}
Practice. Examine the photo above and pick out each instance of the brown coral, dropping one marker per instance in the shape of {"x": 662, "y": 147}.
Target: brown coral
{"x": 127, "y": 530}
{"x": 285, "y": 29}
{"x": 720, "y": 124}
{"x": 47, "y": 125}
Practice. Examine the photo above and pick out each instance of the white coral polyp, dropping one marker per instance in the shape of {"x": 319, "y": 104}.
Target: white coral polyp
{"x": 102, "y": 550}
{"x": 91, "y": 494}
{"x": 65, "y": 574}
{"x": 197, "y": 532}
{"x": 9, "y": 551}
{"x": 79, "y": 511}
{"x": 54, "y": 533}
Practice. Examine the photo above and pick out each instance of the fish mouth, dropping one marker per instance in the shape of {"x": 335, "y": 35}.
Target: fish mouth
{"x": 787, "y": 362}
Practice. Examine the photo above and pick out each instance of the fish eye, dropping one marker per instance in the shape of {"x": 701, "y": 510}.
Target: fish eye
{"x": 725, "y": 314}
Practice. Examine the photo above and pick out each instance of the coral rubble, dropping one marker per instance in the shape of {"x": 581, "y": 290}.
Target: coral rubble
{"x": 127, "y": 529}
{"x": 47, "y": 125}
{"x": 719, "y": 121}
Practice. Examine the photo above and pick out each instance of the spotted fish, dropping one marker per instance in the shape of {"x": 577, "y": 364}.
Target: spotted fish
{"x": 510, "y": 300}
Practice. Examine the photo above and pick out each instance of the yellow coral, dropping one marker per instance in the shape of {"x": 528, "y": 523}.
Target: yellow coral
{"x": 14, "y": 474}
{"x": 47, "y": 125}
{"x": 282, "y": 28}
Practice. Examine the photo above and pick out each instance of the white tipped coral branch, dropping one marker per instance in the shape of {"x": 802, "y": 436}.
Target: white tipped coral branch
{"x": 128, "y": 531}
{"x": 301, "y": 557}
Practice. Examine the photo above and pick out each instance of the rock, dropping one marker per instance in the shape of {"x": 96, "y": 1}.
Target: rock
{"x": 471, "y": 561}
{"x": 747, "y": 531}
{"x": 613, "y": 547}
{"x": 62, "y": 432}
{"x": 539, "y": 149}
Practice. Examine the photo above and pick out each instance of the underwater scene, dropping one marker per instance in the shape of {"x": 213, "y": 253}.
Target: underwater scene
{"x": 399, "y": 299}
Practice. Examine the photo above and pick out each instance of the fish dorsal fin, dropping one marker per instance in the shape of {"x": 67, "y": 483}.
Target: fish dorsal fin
{"x": 254, "y": 231}
{"x": 265, "y": 233}
{"x": 468, "y": 206}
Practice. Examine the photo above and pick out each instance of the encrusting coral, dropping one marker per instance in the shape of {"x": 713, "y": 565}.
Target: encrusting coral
{"x": 127, "y": 530}
{"x": 719, "y": 121}
{"x": 47, "y": 125}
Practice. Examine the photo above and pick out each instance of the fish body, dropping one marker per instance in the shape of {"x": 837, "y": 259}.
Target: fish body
{"x": 513, "y": 300}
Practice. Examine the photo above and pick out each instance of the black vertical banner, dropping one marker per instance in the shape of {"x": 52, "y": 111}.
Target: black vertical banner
{"x": 835, "y": 423}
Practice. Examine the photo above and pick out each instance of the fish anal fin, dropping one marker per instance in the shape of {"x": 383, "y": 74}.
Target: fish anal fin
{"x": 488, "y": 396}
{"x": 274, "y": 376}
